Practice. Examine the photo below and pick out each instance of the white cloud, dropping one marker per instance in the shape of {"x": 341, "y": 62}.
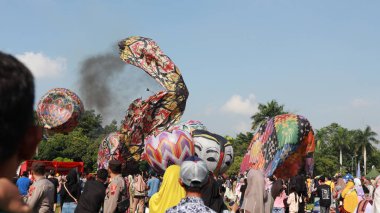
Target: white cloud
{"x": 243, "y": 126}
{"x": 359, "y": 103}
{"x": 238, "y": 105}
{"x": 41, "y": 65}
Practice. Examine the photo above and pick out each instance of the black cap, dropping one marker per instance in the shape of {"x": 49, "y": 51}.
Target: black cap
{"x": 322, "y": 178}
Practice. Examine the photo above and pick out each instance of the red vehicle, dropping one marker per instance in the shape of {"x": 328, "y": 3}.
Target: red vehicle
{"x": 58, "y": 167}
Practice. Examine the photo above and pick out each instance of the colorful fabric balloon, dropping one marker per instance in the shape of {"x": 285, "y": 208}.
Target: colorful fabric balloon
{"x": 168, "y": 148}
{"x": 59, "y": 110}
{"x": 281, "y": 146}
{"x": 162, "y": 110}
{"x": 189, "y": 126}
{"x": 111, "y": 148}
{"x": 210, "y": 148}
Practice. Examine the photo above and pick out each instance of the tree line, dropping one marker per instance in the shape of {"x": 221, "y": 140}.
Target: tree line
{"x": 338, "y": 149}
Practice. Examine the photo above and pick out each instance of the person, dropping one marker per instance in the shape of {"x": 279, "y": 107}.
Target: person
{"x": 55, "y": 182}
{"x": 255, "y": 196}
{"x": 350, "y": 198}
{"x": 170, "y": 193}
{"x": 116, "y": 190}
{"x": 324, "y": 194}
{"x": 41, "y": 192}
{"x": 211, "y": 196}
{"x": 153, "y": 185}
{"x": 340, "y": 185}
{"x": 70, "y": 192}
{"x": 359, "y": 189}
{"x": 330, "y": 183}
{"x": 194, "y": 176}
{"x": 376, "y": 195}
{"x": 23, "y": 184}
{"x": 18, "y": 132}
{"x": 293, "y": 200}
{"x": 243, "y": 188}
{"x": 94, "y": 191}
{"x": 139, "y": 188}
{"x": 279, "y": 194}
{"x": 129, "y": 184}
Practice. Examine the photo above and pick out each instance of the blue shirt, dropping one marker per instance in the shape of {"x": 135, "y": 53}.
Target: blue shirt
{"x": 153, "y": 184}
{"x": 23, "y": 184}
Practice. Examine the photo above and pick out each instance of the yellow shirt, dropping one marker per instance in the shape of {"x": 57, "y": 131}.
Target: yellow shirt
{"x": 331, "y": 184}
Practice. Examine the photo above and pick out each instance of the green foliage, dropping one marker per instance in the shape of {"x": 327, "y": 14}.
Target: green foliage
{"x": 266, "y": 111}
{"x": 81, "y": 144}
{"x": 61, "y": 159}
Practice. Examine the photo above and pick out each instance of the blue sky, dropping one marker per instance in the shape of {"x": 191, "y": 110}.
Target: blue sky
{"x": 318, "y": 58}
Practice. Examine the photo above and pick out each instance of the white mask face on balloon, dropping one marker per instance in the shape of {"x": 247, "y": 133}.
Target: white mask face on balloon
{"x": 228, "y": 157}
{"x": 208, "y": 148}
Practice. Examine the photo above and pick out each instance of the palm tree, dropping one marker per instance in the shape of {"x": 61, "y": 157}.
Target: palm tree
{"x": 336, "y": 136}
{"x": 365, "y": 140}
{"x": 266, "y": 111}
{"x": 341, "y": 139}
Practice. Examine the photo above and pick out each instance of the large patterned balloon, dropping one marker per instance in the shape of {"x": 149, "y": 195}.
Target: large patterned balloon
{"x": 210, "y": 148}
{"x": 189, "y": 126}
{"x": 168, "y": 148}
{"x": 281, "y": 146}
{"x": 111, "y": 148}
{"x": 59, "y": 110}
{"x": 161, "y": 110}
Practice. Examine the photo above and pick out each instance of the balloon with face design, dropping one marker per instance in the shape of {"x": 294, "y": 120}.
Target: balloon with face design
{"x": 210, "y": 148}
{"x": 228, "y": 158}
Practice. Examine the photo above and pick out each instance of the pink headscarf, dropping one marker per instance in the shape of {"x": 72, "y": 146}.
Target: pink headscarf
{"x": 139, "y": 184}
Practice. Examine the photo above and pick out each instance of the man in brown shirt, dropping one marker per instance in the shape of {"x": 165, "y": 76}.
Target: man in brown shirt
{"x": 41, "y": 193}
{"x": 115, "y": 192}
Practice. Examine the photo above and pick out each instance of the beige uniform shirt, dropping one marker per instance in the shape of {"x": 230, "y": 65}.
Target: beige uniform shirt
{"x": 41, "y": 196}
{"x": 114, "y": 193}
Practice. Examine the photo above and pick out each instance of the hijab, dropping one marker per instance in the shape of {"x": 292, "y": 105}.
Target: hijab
{"x": 358, "y": 187}
{"x": 139, "y": 184}
{"x": 350, "y": 197}
{"x": 376, "y": 195}
{"x": 171, "y": 192}
{"x": 255, "y": 195}
{"x": 211, "y": 196}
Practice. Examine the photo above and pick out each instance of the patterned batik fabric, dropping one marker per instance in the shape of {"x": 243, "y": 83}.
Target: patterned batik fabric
{"x": 59, "y": 110}
{"x": 190, "y": 205}
{"x": 161, "y": 110}
{"x": 281, "y": 146}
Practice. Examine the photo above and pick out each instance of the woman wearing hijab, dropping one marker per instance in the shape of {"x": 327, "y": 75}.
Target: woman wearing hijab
{"x": 70, "y": 192}
{"x": 211, "y": 196}
{"x": 376, "y": 195}
{"x": 171, "y": 192}
{"x": 339, "y": 186}
{"x": 139, "y": 193}
{"x": 279, "y": 194}
{"x": 255, "y": 196}
{"x": 359, "y": 189}
{"x": 350, "y": 198}
{"x": 129, "y": 182}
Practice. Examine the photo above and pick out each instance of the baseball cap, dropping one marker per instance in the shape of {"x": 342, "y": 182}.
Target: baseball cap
{"x": 194, "y": 172}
